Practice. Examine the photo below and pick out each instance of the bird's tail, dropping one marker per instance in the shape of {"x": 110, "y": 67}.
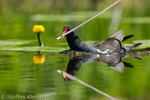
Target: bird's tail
{"x": 132, "y": 47}
{"x": 127, "y": 37}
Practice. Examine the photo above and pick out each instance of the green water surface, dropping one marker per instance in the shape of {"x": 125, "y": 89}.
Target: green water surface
{"x": 22, "y": 79}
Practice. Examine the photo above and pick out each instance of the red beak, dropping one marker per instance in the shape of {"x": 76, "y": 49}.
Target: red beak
{"x": 65, "y": 77}
{"x": 65, "y": 31}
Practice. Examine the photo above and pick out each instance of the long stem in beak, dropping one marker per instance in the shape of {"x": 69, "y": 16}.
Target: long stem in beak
{"x": 89, "y": 19}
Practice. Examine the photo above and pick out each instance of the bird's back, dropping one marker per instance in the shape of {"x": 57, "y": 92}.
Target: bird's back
{"x": 112, "y": 44}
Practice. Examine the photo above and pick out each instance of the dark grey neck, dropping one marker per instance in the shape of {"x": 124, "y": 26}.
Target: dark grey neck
{"x": 73, "y": 40}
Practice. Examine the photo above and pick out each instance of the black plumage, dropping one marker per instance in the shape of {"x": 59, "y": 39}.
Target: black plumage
{"x": 111, "y": 45}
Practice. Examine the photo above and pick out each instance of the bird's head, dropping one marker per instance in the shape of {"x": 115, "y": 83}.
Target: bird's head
{"x": 66, "y": 29}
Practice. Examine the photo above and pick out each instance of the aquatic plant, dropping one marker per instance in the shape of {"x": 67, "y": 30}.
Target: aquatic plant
{"x": 39, "y": 29}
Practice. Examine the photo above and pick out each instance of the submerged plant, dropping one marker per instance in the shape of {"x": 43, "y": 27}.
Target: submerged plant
{"x": 39, "y": 29}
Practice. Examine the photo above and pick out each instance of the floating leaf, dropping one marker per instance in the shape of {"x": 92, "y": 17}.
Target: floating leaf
{"x": 142, "y": 41}
{"x": 13, "y": 42}
{"x": 145, "y": 43}
{"x": 33, "y": 48}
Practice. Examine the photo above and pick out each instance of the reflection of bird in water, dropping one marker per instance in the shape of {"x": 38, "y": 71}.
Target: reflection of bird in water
{"x": 77, "y": 59}
{"x": 111, "y": 45}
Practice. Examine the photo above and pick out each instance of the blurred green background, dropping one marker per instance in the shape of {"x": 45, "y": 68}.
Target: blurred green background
{"x": 17, "y": 18}
{"x": 20, "y": 75}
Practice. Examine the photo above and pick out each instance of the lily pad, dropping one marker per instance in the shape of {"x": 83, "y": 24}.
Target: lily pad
{"x": 142, "y": 41}
{"x": 145, "y": 43}
{"x": 139, "y": 47}
{"x": 14, "y": 42}
{"x": 34, "y": 48}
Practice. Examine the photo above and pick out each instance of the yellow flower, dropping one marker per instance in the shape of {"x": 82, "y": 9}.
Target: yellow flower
{"x": 39, "y": 58}
{"x": 38, "y": 28}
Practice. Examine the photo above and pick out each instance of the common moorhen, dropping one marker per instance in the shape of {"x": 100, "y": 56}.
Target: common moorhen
{"x": 111, "y": 45}
{"x": 113, "y": 61}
